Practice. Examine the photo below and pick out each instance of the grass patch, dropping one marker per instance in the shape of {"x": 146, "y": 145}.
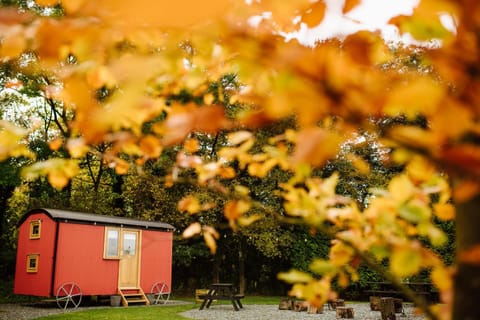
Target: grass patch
{"x": 152, "y": 312}
{"x": 120, "y": 313}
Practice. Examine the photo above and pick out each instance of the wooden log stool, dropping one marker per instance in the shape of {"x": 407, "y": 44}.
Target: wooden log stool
{"x": 374, "y": 303}
{"x": 300, "y": 306}
{"x": 398, "y": 305}
{"x": 344, "y": 313}
{"x": 333, "y": 304}
{"x": 387, "y": 309}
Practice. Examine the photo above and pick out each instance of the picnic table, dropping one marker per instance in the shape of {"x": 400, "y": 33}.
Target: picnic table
{"x": 221, "y": 291}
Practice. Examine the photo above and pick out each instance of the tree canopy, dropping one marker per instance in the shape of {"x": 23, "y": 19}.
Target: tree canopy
{"x": 135, "y": 82}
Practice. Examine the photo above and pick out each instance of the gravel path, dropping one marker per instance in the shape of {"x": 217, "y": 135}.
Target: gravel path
{"x": 217, "y": 312}
{"x": 260, "y": 312}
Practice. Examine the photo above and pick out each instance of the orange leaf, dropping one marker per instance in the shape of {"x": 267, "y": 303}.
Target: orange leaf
{"x": 315, "y": 146}
{"x": 151, "y": 146}
{"x": 12, "y": 16}
{"x": 72, "y": 6}
{"x": 47, "y": 3}
{"x": 465, "y": 190}
{"x": 350, "y": 5}
{"x": 121, "y": 166}
{"x": 189, "y": 204}
{"x": 157, "y": 13}
{"x": 444, "y": 211}
{"x": 314, "y": 14}
{"x": 55, "y": 144}
{"x": 191, "y": 145}
{"x": 470, "y": 256}
{"x": 13, "y": 44}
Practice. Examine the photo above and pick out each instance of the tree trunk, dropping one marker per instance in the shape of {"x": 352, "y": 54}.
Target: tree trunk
{"x": 241, "y": 268}
{"x": 467, "y": 279}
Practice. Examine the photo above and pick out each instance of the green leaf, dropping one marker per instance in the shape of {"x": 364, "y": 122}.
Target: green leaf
{"x": 320, "y": 266}
{"x": 414, "y": 213}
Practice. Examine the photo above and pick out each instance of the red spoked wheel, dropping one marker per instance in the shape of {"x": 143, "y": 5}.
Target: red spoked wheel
{"x": 161, "y": 292}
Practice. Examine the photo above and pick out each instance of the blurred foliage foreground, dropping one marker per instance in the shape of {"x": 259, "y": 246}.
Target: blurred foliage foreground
{"x": 116, "y": 72}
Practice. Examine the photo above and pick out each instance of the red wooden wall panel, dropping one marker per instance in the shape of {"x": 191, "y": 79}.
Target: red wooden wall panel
{"x": 80, "y": 260}
{"x": 156, "y": 259}
{"x": 38, "y": 283}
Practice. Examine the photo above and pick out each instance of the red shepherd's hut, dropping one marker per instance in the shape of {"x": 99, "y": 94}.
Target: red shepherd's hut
{"x": 69, "y": 254}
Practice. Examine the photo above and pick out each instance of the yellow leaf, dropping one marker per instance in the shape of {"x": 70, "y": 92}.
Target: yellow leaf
{"x": 295, "y": 276}
{"x": 246, "y": 221}
{"x": 239, "y": 137}
{"x": 77, "y": 147}
{"x": 415, "y": 137}
{"x": 420, "y": 96}
{"x": 193, "y": 229}
{"x": 58, "y": 171}
{"x": 405, "y": 261}
{"x": 100, "y": 77}
{"x": 360, "y": 165}
{"x": 340, "y": 254}
{"x": 208, "y": 99}
{"x": 401, "y": 188}
{"x": 420, "y": 170}
{"x": 210, "y": 242}
{"x": 442, "y": 278}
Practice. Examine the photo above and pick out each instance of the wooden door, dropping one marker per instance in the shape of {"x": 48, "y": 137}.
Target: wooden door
{"x": 129, "y": 266}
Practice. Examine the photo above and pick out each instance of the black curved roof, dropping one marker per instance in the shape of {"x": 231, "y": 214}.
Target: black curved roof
{"x": 97, "y": 219}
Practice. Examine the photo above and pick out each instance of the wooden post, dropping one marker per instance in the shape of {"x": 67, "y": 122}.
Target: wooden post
{"x": 313, "y": 310}
{"x": 374, "y": 303}
{"x": 344, "y": 313}
{"x": 387, "y": 308}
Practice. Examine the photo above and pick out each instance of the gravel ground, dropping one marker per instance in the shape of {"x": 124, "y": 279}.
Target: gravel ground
{"x": 259, "y": 312}
{"x": 217, "y": 312}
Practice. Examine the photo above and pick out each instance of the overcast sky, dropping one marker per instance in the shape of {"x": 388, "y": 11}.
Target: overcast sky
{"x": 370, "y": 15}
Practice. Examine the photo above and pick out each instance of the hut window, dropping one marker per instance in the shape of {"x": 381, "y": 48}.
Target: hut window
{"x": 111, "y": 243}
{"x": 35, "y": 228}
{"x": 32, "y": 263}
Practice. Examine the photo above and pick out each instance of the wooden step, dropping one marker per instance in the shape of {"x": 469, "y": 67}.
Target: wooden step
{"x": 132, "y": 295}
